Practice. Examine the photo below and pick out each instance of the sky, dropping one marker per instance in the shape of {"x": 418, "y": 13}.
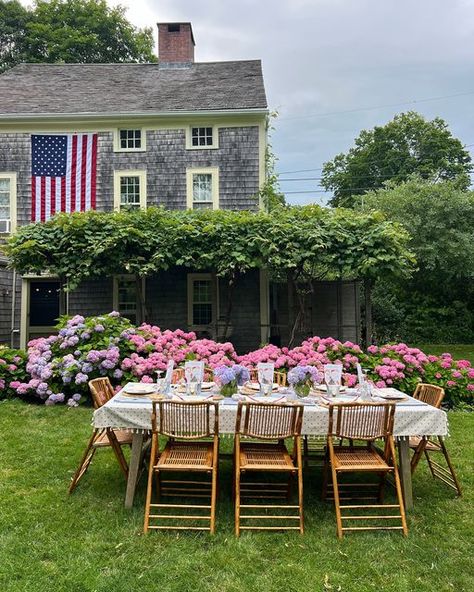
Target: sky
{"x": 335, "y": 67}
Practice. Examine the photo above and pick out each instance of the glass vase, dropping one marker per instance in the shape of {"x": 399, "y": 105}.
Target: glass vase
{"x": 229, "y": 389}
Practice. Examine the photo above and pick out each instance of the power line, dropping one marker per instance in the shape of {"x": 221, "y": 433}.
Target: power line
{"x": 412, "y": 102}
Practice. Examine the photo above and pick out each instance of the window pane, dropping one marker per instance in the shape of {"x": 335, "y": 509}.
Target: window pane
{"x": 202, "y": 314}
{"x": 4, "y": 199}
{"x": 202, "y": 187}
{"x": 127, "y": 298}
{"x": 202, "y": 302}
{"x": 130, "y": 139}
{"x": 129, "y": 193}
{"x": 202, "y": 136}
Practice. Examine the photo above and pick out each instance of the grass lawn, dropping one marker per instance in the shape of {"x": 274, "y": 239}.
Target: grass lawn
{"x": 458, "y": 351}
{"x": 89, "y": 542}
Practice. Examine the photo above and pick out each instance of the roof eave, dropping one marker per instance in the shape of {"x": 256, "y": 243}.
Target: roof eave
{"x": 129, "y": 115}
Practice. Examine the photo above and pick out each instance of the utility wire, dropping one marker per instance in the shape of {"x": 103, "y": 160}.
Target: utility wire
{"x": 412, "y": 102}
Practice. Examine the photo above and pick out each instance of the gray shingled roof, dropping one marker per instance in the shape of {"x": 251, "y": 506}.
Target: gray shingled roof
{"x": 131, "y": 88}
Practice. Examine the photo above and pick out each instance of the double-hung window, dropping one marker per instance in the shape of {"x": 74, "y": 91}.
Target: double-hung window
{"x": 202, "y": 300}
{"x": 7, "y": 203}
{"x": 129, "y": 190}
{"x": 126, "y": 297}
{"x": 202, "y": 187}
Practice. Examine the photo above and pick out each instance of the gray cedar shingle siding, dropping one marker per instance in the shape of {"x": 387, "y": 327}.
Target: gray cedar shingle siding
{"x": 131, "y": 88}
{"x": 165, "y": 160}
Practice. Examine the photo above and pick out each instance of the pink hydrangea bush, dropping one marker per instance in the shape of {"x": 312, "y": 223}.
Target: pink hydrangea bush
{"x": 57, "y": 368}
{"x": 12, "y": 369}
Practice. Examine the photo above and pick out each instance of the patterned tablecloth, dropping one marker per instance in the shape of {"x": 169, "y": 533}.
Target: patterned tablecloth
{"x": 412, "y": 418}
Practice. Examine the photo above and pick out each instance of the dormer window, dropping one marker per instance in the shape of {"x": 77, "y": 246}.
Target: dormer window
{"x": 201, "y": 137}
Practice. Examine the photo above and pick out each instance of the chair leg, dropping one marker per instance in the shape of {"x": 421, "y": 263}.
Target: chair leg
{"x": 300, "y": 496}
{"x": 444, "y": 450}
{"x": 118, "y": 452}
{"x": 337, "y": 504}
{"x": 149, "y": 485}
{"x": 213, "y": 499}
{"x": 305, "y": 451}
{"x": 237, "y": 501}
{"x": 398, "y": 488}
{"x": 85, "y": 461}
{"x": 415, "y": 459}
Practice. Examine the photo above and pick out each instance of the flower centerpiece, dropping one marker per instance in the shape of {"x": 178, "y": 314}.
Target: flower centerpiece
{"x": 230, "y": 377}
{"x": 301, "y": 378}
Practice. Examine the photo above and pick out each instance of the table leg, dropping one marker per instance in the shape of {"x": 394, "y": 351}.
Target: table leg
{"x": 133, "y": 469}
{"x": 405, "y": 472}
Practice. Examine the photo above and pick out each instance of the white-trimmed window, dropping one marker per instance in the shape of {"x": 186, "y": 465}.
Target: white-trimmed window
{"x": 202, "y": 300}
{"x": 202, "y": 188}
{"x": 130, "y": 190}
{"x": 130, "y": 140}
{"x": 7, "y": 203}
{"x": 202, "y": 136}
{"x": 125, "y": 297}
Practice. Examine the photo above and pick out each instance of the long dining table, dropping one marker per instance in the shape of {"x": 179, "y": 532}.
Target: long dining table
{"x": 412, "y": 418}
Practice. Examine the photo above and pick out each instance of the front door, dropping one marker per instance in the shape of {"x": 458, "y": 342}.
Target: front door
{"x": 42, "y": 307}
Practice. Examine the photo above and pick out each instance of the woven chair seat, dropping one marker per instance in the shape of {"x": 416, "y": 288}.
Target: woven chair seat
{"x": 265, "y": 457}
{"x": 358, "y": 459}
{"x": 416, "y": 440}
{"x": 186, "y": 455}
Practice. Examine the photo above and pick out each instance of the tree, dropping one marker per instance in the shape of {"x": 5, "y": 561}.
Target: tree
{"x": 13, "y": 20}
{"x": 407, "y": 145}
{"x": 437, "y": 302}
{"x": 71, "y": 31}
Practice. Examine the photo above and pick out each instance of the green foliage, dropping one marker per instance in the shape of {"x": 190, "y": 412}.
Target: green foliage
{"x": 306, "y": 242}
{"x": 437, "y": 303}
{"x": 270, "y": 194}
{"x": 407, "y": 145}
{"x": 13, "y": 21}
{"x": 439, "y": 218}
{"x": 70, "y": 31}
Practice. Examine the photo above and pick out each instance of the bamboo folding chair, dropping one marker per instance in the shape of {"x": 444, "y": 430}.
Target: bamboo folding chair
{"x": 365, "y": 422}
{"x": 433, "y": 395}
{"x": 187, "y": 426}
{"x": 279, "y": 378}
{"x": 102, "y": 391}
{"x": 269, "y": 424}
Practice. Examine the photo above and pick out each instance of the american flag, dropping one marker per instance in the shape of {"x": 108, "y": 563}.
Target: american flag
{"x": 63, "y": 174}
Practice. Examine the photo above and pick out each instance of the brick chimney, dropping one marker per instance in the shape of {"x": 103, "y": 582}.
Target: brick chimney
{"x": 175, "y": 44}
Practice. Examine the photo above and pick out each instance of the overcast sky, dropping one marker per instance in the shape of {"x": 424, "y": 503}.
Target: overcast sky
{"x": 334, "y": 67}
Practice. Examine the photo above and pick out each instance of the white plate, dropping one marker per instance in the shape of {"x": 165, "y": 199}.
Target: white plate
{"x": 255, "y": 386}
{"x": 324, "y": 388}
{"x": 207, "y": 385}
{"x": 390, "y": 396}
{"x": 139, "y": 389}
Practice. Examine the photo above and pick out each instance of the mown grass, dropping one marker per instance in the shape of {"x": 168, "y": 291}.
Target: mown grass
{"x": 458, "y": 351}
{"x": 89, "y": 542}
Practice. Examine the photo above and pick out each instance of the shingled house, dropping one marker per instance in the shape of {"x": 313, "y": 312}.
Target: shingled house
{"x": 179, "y": 134}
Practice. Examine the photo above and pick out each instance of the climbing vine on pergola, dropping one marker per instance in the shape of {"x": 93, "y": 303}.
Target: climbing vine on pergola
{"x": 296, "y": 244}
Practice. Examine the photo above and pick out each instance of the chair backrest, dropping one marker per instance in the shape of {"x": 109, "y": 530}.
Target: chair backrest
{"x": 361, "y": 421}
{"x": 101, "y": 390}
{"x": 429, "y": 393}
{"x": 178, "y": 375}
{"x": 279, "y": 377}
{"x": 187, "y": 420}
{"x": 269, "y": 421}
